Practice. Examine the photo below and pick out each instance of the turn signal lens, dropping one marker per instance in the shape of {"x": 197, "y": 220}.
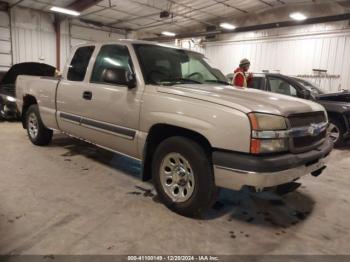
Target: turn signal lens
{"x": 267, "y": 133}
{"x": 264, "y": 146}
{"x": 255, "y": 146}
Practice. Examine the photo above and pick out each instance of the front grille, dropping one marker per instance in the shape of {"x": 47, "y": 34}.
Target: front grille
{"x": 304, "y": 120}
{"x": 305, "y": 141}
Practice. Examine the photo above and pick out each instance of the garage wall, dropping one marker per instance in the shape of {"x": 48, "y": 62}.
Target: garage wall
{"x": 34, "y": 39}
{"x": 33, "y": 36}
{"x": 5, "y": 41}
{"x": 292, "y": 51}
{"x": 73, "y": 34}
{"x": 81, "y": 34}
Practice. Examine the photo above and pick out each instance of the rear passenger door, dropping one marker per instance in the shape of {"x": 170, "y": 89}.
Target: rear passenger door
{"x": 71, "y": 104}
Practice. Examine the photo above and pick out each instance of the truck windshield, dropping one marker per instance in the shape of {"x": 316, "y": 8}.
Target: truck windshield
{"x": 310, "y": 86}
{"x": 169, "y": 66}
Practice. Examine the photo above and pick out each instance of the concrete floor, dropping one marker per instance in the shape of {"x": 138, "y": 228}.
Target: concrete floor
{"x": 73, "y": 198}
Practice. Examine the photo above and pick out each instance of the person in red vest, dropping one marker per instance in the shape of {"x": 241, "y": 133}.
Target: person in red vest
{"x": 241, "y": 78}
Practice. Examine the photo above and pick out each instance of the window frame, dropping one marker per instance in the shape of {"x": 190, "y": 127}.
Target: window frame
{"x": 93, "y": 63}
{"x": 262, "y": 83}
{"x": 268, "y": 86}
{"x": 88, "y": 64}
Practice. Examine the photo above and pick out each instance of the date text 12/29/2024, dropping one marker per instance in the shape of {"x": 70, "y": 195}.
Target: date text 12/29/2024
{"x": 173, "y": 258}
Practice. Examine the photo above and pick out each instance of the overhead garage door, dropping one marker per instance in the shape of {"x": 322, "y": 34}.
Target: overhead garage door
{"x": 5, "y": 42}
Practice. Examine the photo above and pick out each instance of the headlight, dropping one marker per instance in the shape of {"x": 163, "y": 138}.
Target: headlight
{"x": 10, "y": 99}
{"x": 268, "y": 134}
{"x": 267, "y": 122}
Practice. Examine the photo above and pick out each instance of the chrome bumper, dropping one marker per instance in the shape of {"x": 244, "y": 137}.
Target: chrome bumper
{"x": 236, "y": 179}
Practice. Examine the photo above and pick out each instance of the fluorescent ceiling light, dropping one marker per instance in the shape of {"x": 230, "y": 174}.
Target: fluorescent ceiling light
{"x": 227, "y": 26}
{"x": 64, "y": 11}
{"x": 166, "y": 33}
{"x": 298, "y": 16}
{"x": 112, "y": 62}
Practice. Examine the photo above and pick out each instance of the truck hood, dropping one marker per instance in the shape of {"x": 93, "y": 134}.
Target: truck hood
{"x": 246, "y": 100}
{"x": 337, "y": 97}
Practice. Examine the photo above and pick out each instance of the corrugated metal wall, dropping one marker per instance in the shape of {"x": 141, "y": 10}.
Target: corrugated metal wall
{"x": 81, "y": 35}
{"x": 292, "y": 51}
{"x": 33, "y": 36}
{"x": 5, "y": 42}
{"x": 34, "y": 39}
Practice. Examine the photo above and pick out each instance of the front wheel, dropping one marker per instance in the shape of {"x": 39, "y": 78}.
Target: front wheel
{"x": 38, "y": 134}
{"x": 336, "y": 131}
{"x": 183, "y": 176}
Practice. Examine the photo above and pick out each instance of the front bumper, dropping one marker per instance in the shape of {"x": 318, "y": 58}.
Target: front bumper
{"x": 235, "y": 170}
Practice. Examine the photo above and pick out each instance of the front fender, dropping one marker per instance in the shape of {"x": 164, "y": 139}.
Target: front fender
{"x": 223, "y": 127}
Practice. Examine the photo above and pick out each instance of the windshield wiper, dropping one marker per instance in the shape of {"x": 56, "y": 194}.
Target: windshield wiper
{"x": 173, "y": 81}
{"x": 218, "y": 81}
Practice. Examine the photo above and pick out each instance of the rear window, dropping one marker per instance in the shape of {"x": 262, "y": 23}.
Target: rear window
{"x": 78, "y": 66}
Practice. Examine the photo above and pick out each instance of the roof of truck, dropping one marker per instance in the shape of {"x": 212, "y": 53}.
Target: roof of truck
{"x": 133, "y": 41}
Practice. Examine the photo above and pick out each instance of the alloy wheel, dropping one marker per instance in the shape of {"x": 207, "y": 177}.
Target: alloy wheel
{"x": 334, "y": 132}
{"x": 177, "y": 178}
{"x": 33, "y": 126}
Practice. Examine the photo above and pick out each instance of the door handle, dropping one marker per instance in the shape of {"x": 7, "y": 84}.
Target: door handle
{"x": 87, "y": 95}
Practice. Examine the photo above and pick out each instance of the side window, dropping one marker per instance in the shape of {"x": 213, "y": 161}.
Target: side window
{"x": 78, "y": 66}
{"x": 256, "y": 83}
{"x": 280, "y": 86}
{"x": 109, "y": 57}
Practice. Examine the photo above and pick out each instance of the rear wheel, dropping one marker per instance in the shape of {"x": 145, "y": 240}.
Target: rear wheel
{"x": 336, "y": 131}
{"x": 183, "y": 176}
{"x": 38, "y": 134}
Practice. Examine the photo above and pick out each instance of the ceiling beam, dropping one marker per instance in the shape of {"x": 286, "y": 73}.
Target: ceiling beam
{"x": 231, "y": 6}
{"x": 191, "y": 9}
{"x": 4, "y": 6}
{"x": 266, "y": 3}
{"x": 81, "y": 5}
{"x": 315, "y": 20}
{"x": 16, "y": 3}
{"x": 175, "y": 14}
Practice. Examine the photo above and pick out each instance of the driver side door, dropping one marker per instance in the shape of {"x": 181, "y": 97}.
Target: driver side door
{"x": 114, "y": 110}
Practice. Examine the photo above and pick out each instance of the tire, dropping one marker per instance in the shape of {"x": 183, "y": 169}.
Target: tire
{"x": 337, "y": 131}
{"x": 38, "y": 134}
{"x": 191, "y": 173}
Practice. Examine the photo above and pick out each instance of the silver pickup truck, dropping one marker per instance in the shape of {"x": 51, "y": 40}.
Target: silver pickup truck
{"x": 168, "y": 108}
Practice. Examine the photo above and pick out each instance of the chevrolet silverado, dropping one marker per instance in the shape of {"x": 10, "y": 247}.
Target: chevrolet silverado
{"x": 168, "y": 108}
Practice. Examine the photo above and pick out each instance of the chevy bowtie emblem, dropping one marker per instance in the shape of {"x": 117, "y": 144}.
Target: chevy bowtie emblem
{"x": 314, "y": 130}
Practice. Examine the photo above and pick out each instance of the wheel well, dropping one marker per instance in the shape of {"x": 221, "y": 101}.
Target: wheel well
{"x": 338, "y": 117}
{"x": 159, "y": 133}
{"x": 28, "y": 100}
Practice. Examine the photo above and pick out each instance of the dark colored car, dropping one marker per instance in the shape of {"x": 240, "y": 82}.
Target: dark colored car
{"x": 8, "y": 108}
{"x": 337, "y": 104}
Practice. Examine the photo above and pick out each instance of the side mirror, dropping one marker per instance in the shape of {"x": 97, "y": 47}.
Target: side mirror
{"x": 306, "y": 94}
{"x": 119, "y": 76}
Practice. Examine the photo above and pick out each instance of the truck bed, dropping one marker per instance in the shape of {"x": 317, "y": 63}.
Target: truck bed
{"x": 44, "y": 90}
